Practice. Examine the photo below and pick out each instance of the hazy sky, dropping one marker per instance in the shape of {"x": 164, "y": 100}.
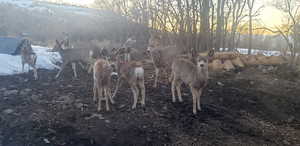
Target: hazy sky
{"x": 270, "y": 16}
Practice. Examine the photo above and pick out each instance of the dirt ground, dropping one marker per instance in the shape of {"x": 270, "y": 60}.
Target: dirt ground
{"x": 252, "y": 106}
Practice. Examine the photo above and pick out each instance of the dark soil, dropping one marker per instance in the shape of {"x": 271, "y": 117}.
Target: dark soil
{"x": 244, "y": 108}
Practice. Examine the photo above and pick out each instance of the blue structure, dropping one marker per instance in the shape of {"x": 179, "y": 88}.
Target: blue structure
{"x": 10, "y": 45}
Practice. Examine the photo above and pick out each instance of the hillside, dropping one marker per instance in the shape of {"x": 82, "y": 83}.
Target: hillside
{"x": 42, "y": 21}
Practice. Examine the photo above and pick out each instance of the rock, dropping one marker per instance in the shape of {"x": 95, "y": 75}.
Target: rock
{"x": 45, "y": 84}
{"x": 121, "y": 106}
{"x": 69, "y": 86}
{"x": 79, "y": 105}
{"x": 165, "y": 107}
{"x": 10, "y": 92}
{"x": 286, "y": 142}
{"x": 291, "y": 119}
{"x": 25, "y": 92}
{"x": 3, "y": 89}
{"x": 35, "y": 97}
{"x": 99, "y": 116}
{"x": 107, "y": 121}
{"x": 8, "y": 111}
{"x": 46, "y": 140}
{"x": 66, "y": 99}
{"x": 220, "y": 84}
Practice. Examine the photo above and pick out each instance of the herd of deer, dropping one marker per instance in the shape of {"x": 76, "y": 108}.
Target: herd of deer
{"x": 106, "y": 64}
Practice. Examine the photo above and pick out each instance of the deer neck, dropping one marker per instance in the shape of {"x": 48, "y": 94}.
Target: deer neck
{"x": 202, "y": 72}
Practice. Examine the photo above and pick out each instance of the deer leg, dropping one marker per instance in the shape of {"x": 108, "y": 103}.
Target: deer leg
{"x": 23, "y": 66}
{"x": 35, "y": 72}
{"x": 135, "y": 95}
{"x": 142, "y": 87}
{"x": 110, "y": 96}
{"x": 95, "y": 91}
{"x": 90, "y": 68}
{"x": 194, "y": 94}
{"x": 106, "y": 98}
{"x": 100, "y": 97}
{"x": 74, "y": 69}
{"x": 156, "y": 77}
{"x": 171, "y": 77}
{"x": 173, "y": 89}
{"x": 81, "y": 65}
{"x": 178, "y": 88}
{"x": 61, "y": 69}
{"x": 198, "y": 99}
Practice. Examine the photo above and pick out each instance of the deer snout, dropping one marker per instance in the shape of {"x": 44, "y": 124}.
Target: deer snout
{"x": 114, "y": 75}
{"x": 201, "y": 65}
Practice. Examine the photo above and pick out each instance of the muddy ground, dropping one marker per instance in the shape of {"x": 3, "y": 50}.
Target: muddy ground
{"x": 253, "y": 106}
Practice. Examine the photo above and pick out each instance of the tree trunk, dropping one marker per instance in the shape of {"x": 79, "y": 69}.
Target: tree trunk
{"x": 204, "y": 26}
{"x": 220, "y": 24}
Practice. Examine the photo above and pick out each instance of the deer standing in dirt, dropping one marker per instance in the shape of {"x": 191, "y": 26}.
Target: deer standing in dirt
{"x": 131, "y": 72}
{"x": 162, "y": 56}
{"x": 28, "y": 56}
{"x": 195, "y": 75}
{"x": 103, "y": 71}
{"x": 72, "y": 56}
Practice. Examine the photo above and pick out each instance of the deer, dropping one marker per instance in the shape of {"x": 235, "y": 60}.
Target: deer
{"x": 28, "y": 56}
{"x": 131, "y": 72}
{"x": 161, "y": 56}
{"x": 73, "y": 56}
{"x": 193, "y": 74}
{"x": 95, "y": 54}
{"x": 102, "y": 75}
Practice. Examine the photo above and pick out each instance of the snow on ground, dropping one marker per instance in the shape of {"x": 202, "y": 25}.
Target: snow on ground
{"x": 255, "y": 51}
{"x": 10, "y": 64}
{"x": 49, "y": 7}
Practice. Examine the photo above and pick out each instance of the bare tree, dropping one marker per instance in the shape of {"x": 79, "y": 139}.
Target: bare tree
{"x": 220, "y": 23}
{"x": 251, "y": 14}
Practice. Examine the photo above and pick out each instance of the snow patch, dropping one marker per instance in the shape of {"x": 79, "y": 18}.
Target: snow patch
{"x": 10, "y": 64}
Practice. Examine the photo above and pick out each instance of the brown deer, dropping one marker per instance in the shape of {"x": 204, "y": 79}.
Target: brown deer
{"x": 131, "y": 72}
{"x": 28, "y": 56}
{"x": 95, "y": 54}
{"x": 72, "y": 56}
{"x": 103, "y": 71}
{"x": 162, "y": 56}
{"x": 195, "y": 75}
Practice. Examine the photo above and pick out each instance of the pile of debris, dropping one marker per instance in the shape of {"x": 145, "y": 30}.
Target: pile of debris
{"x": 232, "y": 60}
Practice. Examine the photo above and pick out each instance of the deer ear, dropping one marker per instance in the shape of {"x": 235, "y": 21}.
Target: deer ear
{"x": 57, "y": 42}
{"x": 211, "y": 52}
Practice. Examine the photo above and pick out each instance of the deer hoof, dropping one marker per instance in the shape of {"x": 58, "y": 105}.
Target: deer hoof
{"x": 112, "y": 101}
{"x": 194, "y": 112}
{"x": 174, "y": 100}
{"x": 199, "y": 108}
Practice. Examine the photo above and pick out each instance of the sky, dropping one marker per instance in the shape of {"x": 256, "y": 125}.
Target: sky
{"x": 270, "y": 16}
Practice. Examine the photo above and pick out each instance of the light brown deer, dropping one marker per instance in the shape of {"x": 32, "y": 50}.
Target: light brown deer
{"x": 28, "y": 56}
{"x": 195, "y": 75}
{"x": 162, "y": 56}
{"x": 72, "y": 56}
{"x": 103, "y": 71}
{"x": 131, "y": 72}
